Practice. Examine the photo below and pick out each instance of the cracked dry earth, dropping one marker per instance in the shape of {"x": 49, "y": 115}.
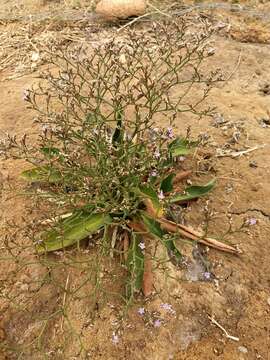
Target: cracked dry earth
{"x": 238, "y": 294}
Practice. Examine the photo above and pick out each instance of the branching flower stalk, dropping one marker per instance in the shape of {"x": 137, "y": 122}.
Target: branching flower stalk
{"x": 100, "y": 160}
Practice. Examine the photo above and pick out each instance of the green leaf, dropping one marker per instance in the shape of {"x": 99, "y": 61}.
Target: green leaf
{"x": 71, "y": 230}
{"x": 147, "y": 192}
{"x": 154, "y": 228}
{"x": 50, "y": 152}
{"x": 42, "y": 174}
{"x": 167, "y": 184}
{"x": 135, "y": 265}
{"x": 193, "y": 192}
{"x": 181, "y": 146}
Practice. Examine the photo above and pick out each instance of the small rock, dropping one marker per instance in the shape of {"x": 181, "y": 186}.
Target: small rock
{"x": 24, "y": 287}
{"x": 253, "y": 164}
{"x": 243, "y": 349}
{"x": 120, "y": 9}
{"x": 265, "y": 89}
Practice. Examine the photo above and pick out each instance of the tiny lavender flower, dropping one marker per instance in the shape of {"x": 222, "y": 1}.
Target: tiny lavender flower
{"x": 170, "y": 132}
{"x": 252, "y": 221}
{"x": 157, "y": 323}
{"x": 207, "y": 275}
{"x": 141, "y": 245}
{"x": 141, "y": 311}
{"x": 167, "y": 307}
{"x": 161, "y": 195}
{"x": 153, "y": 173}
{"x": 115, "y": 338}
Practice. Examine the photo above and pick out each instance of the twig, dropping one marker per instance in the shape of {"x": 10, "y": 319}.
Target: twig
{"x": 212, "y": 319}
{"x": 64, "y": 299}
{"x": 158, "y": 10}
{"x": 136, "y": 19}
{"x": 235, "y": 68}
{"x": 57, "y": 218}
{"x": 113, "y": 240}
{"x": 235, "y": 154}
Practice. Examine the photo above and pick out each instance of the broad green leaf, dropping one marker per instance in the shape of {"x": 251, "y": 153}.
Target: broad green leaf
{"x": 193, "y": 192}
{"x": 135, "y": 265}
{"x": 154, "y": 228}
{"x": 42, "y": 174}
{"x": 167, "y": 184}
{"x": 181, "y": 146}
{"x": 71, "y": 230}
{"x": 147, "y": 192}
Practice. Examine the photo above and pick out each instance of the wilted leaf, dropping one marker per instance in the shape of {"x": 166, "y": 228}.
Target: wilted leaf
{"x": 71, "y": 230}
{"x": 167, "y": 184}
{"x": 135, "y": 265}
{"x": 193, "y": 192}
{"x": 42, "y": 174}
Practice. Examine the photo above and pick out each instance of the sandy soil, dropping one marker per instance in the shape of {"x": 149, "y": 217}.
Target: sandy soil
{"x": 238, "y": 295}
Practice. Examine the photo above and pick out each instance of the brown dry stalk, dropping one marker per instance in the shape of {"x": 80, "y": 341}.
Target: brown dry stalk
{"x": 196, "y": 236}
{"x": 181, "y": 176}
{"x": 187, "y": 232}
{"x": 148, "y": 277}
{"x": 125, "y": 245}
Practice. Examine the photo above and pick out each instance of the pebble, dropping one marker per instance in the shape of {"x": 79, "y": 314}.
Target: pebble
{"x": 243, "y": 349}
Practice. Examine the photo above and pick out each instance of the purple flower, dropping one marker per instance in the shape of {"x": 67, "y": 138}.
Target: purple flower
{"x": 252, "y": 221}
{"x": 141, "y": 311}
{"x": 141, "y": 245}
{"x": 161, "y": 195}
{"x": 157, "y": 323}
{"x": 170, "y": 132}
{"x": 115, "y": 338}
{"x": 207, "y": 275}
{"x": 167, "y": 307}
{"x": 153, "y": 173}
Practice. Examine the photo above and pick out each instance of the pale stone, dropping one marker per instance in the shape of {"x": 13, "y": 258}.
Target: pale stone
{"x": 120, "y": 9}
